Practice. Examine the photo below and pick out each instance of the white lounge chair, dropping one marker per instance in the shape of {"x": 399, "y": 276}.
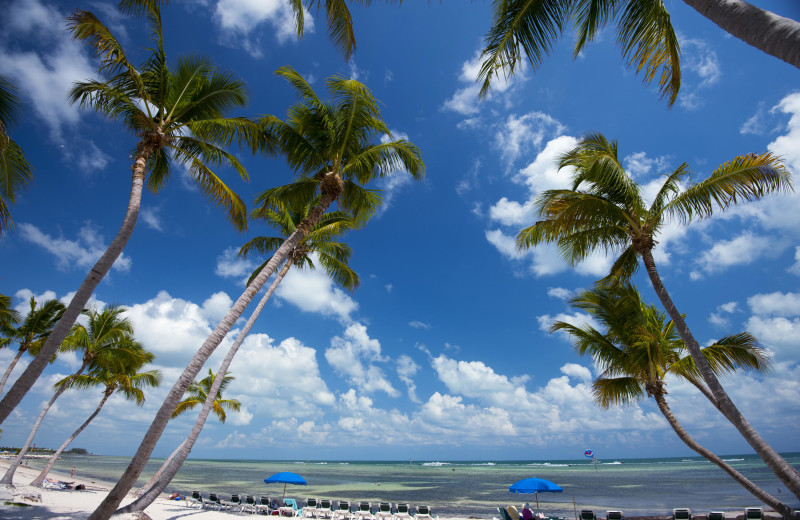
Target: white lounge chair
{"x": 310, "y": 510}
{"x": 753, "y": 513}
{"x": 424, "y": 513}
{"x": 325, "y": 508}
{"x": 195, "y": 500}
{"x": 213, "y": 502}
{"x": 682, "y": 513}
{"x": 343, "y": 511}
{"x": 403, "y": 512}
{"x": 249, "y": 504}
{"x": 364, "y": 511}
{"x": 262, "y": 505}
{"x": 384, "y": 511}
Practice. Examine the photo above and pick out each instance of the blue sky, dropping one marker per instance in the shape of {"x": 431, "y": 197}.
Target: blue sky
{"x": 443, "y": 352}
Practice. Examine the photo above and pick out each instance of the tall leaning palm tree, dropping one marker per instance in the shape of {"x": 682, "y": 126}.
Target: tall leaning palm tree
{"x": 107, "y": 341}
{"x": 331, "y": 145}
{"x": 604, "y": 210}
{"x": 638, "y": 349}
{"x": 333, "y": 256}
{"x": 644, "y": 32}
{"x": 120, "y": 378}
{"x": 197, "y": 394}
{"x": 15, "y": 170}
{"x": 31, "y": 334}
{"x": 178, "y": 114}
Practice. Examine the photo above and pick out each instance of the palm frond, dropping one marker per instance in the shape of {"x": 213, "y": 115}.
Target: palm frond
{"x": 649, "y": 43}
{"x": 10, "y": 106}
{"x": 617, "y": 391}
{"x": 532, "y": 26}
{"x": 85, "y": 26}
{"x": 589, "y": 16}
{"x": 744, "y": 178}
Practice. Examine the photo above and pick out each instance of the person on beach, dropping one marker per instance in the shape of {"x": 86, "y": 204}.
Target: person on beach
{"x": 73, "y": 472}
{"x": 527, "y": 514}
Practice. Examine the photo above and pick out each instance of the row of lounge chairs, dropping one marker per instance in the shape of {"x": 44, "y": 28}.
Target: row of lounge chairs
{"x": 237, "y": 503}
{"x": 682, "y": 513}
{"x": 321, "y": 509}
{"x": 364, "y": 511}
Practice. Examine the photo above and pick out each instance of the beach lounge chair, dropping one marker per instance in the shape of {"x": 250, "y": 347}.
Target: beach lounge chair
{"x": 289, "y": 507}
{"x": 682, "y": 513}
{"x": 513, "y": 512}
{"x": 384, "y": 511}
{"x": 213, "y": 502}
{"x": 195, "y": 500}
{"x": 364, "y": 511}
{"x": 715, "y": 515}
{"x": 504, "y": 513}
{"x": 343, "y": 511}
{"x": 262, "y": 505}
{"x": 310, "y": 510}
{"x": 753, "y": 513}
{"x": 588, "y": 514}
{"x": 249, "y": 504}
{"x": 614, "y": 515}
{"x": 234, "y": 504}
{"x": 403, "y": 512}
{"x": 424, "y": 513}
{"x": 325, "y": 508}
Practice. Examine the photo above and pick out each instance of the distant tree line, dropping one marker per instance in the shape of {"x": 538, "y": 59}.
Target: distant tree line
{"x": 72, "y": 451}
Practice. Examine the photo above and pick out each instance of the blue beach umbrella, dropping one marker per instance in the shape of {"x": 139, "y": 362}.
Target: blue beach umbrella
{"x": 535, "y": 485}
{"x": 286, "y": 477}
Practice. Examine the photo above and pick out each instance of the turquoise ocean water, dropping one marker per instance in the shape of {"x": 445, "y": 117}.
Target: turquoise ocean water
{"x": 477, "y": 488}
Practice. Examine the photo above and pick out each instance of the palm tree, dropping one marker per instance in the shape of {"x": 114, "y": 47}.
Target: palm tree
{"x": 639, "y": 349}
{"x": 107, "y": 342}
{"x": 331, "y": 146}
{"x": 15, "y": 170}
{"x": 333, "y": 256}
{"x": 604, "y": 209}
{"x": 32, "y": 333}
{"x": 178, "y": 115}
{"x": 124, "y": 379}
{"x": 644, "y": 32}
{"x": 198, "y": 394}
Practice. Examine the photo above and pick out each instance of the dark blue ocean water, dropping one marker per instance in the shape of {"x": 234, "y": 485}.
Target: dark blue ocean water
{"x": 477, "y": 488}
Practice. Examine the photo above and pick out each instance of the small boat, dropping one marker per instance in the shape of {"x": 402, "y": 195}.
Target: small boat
{"x": 436, "y": 464}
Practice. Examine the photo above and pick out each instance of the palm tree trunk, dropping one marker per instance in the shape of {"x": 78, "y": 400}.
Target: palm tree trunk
{"x": 39, "y": 481}
{"x": 76, "y": 306}
{"x": 759, "y": 493}
{"x": 9, "y": 370}
{"x": 8, "y": 478}
{"x": 134, "y": 469}
{"x": 764, "y": 30}
{"x": 142, "y": 490}
{"x": 170, "y": 468}
{"x": 782, "y": 469}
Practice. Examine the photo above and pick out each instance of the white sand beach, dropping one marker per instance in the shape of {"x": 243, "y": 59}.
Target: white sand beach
{"x": 78, "y": 504}
{"x": 73, "y": 504}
